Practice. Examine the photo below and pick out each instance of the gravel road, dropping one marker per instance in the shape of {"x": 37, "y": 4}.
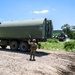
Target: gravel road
{"x": 47, "y": 63}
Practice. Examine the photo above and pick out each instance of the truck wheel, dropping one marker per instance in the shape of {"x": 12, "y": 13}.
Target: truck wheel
{"x": 14, "y": 45}
{"x": 4, "y": 47}
{"x": 23, "y": 46}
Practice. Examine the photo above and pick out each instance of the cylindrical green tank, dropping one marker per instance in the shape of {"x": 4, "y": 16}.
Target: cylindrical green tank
{"x": 25, "y": 29}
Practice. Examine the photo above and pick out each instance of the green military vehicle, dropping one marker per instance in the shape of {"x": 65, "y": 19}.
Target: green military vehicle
{"x": 17, "y": 33}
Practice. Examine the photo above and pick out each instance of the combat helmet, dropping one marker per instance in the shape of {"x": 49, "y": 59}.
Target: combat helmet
{"x": 34, "y": 40}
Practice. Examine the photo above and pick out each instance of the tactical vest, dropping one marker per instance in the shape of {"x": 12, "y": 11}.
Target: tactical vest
{"x": 34, "y": 46}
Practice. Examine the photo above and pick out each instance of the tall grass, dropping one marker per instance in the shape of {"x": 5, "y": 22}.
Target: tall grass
{"x": 70, "y": 46}
{"x": 54, "y": 44}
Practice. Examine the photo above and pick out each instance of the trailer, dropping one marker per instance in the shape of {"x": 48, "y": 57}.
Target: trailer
{"x": 17, "y": 33}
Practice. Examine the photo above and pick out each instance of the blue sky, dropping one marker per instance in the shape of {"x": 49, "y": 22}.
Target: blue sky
{"x": 59, "y": 11}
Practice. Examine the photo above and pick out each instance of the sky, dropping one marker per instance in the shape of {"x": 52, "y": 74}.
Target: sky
{"x": 59, "y": 11}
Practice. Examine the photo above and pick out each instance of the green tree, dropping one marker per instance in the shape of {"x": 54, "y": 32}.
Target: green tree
{"x": 67, "y": 30}
{"x": 73, "y": 27}
{"x": 73, "y": 32}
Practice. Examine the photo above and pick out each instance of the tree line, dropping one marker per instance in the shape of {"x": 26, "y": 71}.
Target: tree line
{"x": 69, "y": 30}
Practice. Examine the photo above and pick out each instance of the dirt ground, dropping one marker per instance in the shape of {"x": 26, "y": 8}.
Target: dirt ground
{"x": 47, "y": 63}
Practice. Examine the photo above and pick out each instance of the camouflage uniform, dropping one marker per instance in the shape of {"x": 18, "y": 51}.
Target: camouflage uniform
{"x": 33, "y": 49}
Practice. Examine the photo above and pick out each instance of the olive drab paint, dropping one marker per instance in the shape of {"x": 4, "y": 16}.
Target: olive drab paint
{"x": 17, "y": 33}
{"x": 25, "y": 29}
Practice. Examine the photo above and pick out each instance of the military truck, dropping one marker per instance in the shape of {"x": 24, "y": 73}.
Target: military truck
{"x": 17, "y": 33}
{"x": 62, "y": 36}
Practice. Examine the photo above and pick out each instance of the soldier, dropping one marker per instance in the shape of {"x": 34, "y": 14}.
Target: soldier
{"x": 33, "y": 49}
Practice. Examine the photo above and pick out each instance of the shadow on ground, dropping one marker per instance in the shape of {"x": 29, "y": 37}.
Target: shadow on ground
{"x": 38, "y": 53}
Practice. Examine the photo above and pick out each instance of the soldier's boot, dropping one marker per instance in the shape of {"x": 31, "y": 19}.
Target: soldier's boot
{"x": 33, "y": 57}
{"x": 30, "y": 57}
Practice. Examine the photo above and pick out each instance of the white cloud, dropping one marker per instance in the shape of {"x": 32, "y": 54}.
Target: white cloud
{"x": 41, "y": 12}
{"x": 36, "y": 12}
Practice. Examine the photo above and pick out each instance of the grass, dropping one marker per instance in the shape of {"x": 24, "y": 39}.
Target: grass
{"x": 70, "y": 46}
{"x": 52, "y": 44}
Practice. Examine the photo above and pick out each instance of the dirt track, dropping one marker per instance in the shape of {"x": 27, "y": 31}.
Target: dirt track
{"x": 47, "y": 63}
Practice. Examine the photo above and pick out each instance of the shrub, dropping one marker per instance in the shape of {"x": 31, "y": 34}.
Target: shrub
{"x": 70, "y": 45}
{"x": 49, "y": 44}
{"x": 52, "y": 40}
{"x": 41, "y": 45}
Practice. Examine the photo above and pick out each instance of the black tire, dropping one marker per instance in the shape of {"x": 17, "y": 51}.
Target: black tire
{"x": 14, "y": 45}
{"x": 3, "y": 46}
{"x": 23, "y": 46}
